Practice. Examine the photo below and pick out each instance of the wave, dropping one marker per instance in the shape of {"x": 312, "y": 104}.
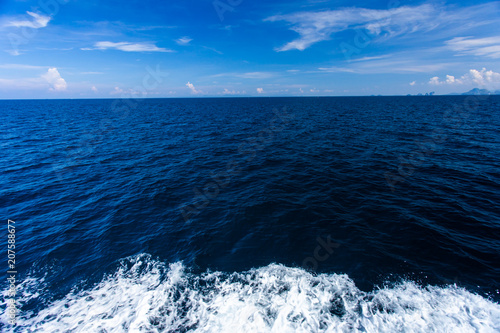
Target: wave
{"x": 147, "y": 295}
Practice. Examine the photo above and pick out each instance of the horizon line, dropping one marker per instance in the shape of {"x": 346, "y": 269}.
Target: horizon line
{"x": 229, "y": 97}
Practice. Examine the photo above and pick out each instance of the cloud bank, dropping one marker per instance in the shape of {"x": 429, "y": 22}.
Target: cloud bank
{"x": 482, "y": 78}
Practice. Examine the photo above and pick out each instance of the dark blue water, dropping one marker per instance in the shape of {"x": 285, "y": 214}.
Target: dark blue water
{"x": 259, "y": 214}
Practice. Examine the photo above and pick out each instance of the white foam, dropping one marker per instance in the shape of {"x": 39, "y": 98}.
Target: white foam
{"x": 147, "y": 296}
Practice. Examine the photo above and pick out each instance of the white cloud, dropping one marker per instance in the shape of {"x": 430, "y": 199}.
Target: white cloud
{"x": 55, "y": 80}
{"x": 94, "y": 89}
{"x": 482, "y": 78}
{"x": 450, "y": 79}
{"x": 38, "y": 21}
{"x": 230, "y": 92}
{"x": 183, "y": 40}
{"x": 314, "y": 27}
{"x": 260, "y": 90}
{"x": 192, "y": 88}
{"x": 434, "y": 81}
{"x": 52, "y": 77}
{"x": 371, "y": 24}
{"x": 413, "y": 83}
{"x": 128, "y": 47}
{"x": 116, "y": 91}
{"x": 127, "y": 93}
{"x": 488, "y": 47}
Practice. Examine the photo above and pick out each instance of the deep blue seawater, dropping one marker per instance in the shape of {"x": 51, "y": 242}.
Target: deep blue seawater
{"x": 363, "y": 214}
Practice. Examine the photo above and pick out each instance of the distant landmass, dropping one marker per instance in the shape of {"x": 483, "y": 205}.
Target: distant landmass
{"x": 477, "y": 91}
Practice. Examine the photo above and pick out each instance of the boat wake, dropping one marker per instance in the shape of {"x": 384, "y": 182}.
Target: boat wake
{"x": 146, "y": 295}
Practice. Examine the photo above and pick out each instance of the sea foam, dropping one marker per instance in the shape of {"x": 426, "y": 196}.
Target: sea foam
{"x": 146, "y": 295}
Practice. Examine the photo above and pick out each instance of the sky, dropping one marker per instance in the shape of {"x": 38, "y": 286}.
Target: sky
{"x": 229, "y": 48}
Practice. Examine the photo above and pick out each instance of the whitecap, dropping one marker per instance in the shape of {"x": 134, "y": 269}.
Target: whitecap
{"x": 146, "y": 295}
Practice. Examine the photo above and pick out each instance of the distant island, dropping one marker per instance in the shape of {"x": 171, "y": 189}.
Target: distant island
{"x": 475, "y": 91}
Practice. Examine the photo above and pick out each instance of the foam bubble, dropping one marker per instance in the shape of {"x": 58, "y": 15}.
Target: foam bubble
{"x": 145, "y": 295}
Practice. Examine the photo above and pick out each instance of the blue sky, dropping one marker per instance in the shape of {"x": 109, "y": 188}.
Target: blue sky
{"x": 116, "y": 49}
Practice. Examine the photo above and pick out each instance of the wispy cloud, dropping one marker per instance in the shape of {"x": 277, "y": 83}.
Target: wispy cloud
{"x": 398, "y": 64}
{"x": 183, "y": 40}
{"x": 314, "y": 27}
{"x": 37, "y": 21}
{"x": 371, "y": 58}
{"x": 255, "y": 75}
{"x": 335, "y": 69}
{"x": 248, "y": 75}
{"x": 128, "y": 47}
{"x": 192, "y": 88}
{"x": 317, "y": 26}
{"x": 488, "y": 47}
{"x": 260, "y": 90}
{"x": 150, "y": 27}
{"x": 21, "y": 66}
{"x": 482, "y": 78}
{"x": 116, "y": 27}
{"x": 212, "y": 49}
{"x": 13, "y": 52}
{"x": 36, "y": 83}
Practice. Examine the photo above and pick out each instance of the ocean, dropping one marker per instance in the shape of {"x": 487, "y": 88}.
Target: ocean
{"x": 327, "y": 214}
